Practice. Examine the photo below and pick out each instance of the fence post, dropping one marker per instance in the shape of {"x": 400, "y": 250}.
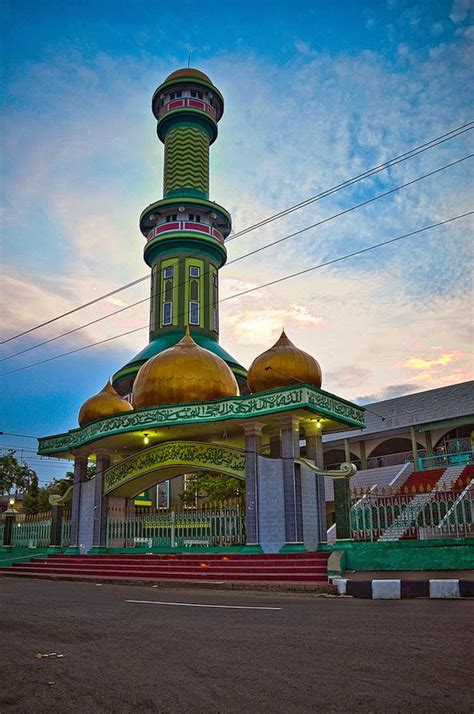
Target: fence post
{"x": 9, "y": 522}
{"x": 55, "y": 540}
{"x": 173, "y": 530}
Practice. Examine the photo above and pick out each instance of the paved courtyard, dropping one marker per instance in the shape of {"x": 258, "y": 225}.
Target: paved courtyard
{"x": 128, "y": 649}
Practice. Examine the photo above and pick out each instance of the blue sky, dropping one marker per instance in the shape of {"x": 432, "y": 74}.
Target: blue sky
{"x": 315, "y": 92}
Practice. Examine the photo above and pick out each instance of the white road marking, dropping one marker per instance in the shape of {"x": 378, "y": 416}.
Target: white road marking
{"x": 195, "y": 604}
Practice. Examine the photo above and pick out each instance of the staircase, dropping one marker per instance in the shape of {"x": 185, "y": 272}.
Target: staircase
{"x": 212, "y": 568}
{"x": 406, "y": 519}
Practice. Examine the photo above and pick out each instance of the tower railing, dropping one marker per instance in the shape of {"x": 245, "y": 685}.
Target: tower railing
{"x": 187, "y": 102}
{"x": 185, "y": 226}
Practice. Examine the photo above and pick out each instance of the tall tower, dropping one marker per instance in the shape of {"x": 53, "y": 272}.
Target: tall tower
{"x": 184, "y": 231}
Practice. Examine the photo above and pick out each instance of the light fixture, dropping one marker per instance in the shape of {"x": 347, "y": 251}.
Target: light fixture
{"x": 11, "y": 501}
{"x": 181, "y": 209}
{"x": 146, "y": 440}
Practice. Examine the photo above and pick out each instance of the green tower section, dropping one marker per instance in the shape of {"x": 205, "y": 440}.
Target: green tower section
{"x": 186, "y": 160}
{"x": 184, "y": 230}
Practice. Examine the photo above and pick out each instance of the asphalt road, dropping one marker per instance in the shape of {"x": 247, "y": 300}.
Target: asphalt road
{"x": 310, "y": 655}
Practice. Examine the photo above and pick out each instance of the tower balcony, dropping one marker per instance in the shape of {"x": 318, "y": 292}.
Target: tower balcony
{"x": 185, "y": 226}
{"x": 187, "y": 102}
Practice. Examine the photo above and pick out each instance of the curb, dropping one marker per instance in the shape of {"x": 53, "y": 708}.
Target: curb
{"x": 403, "y": 589}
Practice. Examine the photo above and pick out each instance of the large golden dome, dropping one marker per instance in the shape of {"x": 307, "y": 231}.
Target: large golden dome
{"x": 283, "y": 365}
{"x": 103, "y": 404}
{"x": 183, "y": 373}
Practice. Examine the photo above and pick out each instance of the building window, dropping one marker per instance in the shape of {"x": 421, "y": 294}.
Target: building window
{"x": 196, "y": 95}
{"x": 195, "y": 217}
{"x": 176, "y": 95}
{"x": 193, "y": 313}
{"x": 194, "y": 271}
{"x": 171, "y": 217}
{"x": 167, "y": 313}
{"x": 168, "y": 272}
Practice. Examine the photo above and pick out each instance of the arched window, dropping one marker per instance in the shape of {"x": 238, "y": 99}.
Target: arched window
{"x": 167, "y": 317}
{"x": 194, "y": 301}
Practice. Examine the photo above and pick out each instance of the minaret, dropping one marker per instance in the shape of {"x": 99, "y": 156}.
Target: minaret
{"x": 184, "y": 231}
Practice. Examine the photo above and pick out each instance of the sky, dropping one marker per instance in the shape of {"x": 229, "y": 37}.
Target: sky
{"x": 316, "y": 92}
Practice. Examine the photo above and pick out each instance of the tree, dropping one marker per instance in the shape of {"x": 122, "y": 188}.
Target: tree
{"x": 14, "y": 475}
{"x": 209, "y": 487}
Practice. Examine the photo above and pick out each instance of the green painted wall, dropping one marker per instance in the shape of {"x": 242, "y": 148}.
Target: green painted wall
{"x": 186, "y": 160}
{"x": 442, "y": 554}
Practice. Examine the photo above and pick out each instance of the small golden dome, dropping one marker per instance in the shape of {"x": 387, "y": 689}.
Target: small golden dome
{"x": 185, "y": 372}
{"x": 103, "y": 404}
{"x": 283, "y": 365}
{"x": 188, "y": 72}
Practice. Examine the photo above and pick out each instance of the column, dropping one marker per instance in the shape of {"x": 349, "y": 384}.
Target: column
{"x": 347, "y": 451}
{"x": 275, "y": 443}
{"x": 253, "y": 447}
{"x": 414, "y": 447}
{"x": 100, "y": 501}
{"x": 342, "y": 498}
{"x": 8, "y": 525}
{"x": 56, "y": 526}
{"x": 314, "y": 451}
{"x": 290, "y": 448}
{"x": 363, "y": 455}
{"x": 80, "y": 475}
{"x": 429, "y": 448}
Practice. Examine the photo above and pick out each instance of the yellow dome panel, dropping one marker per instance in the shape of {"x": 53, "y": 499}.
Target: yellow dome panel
{"x": 188, "y": 72}
{"x": 103, "y": 404}
{"x": 185, "y": 372}
{"x": 281, "y": 366}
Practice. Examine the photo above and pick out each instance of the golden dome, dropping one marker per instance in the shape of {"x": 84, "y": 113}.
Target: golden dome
{"x": 283, "y": 365}
{"x": 183, "y": 373}
{"x": 103, "y": 404}
{"x": 188, "y": 72}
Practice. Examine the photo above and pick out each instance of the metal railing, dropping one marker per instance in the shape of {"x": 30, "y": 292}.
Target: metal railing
{"x": 424, "y": 514}
{"x": 32, "y": 532}
{"x": 445, "y": 459}
{"x": 213, "y": 526}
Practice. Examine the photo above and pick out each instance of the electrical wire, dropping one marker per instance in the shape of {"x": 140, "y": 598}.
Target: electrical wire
{"x": 245, "y": 255}
{"x": 454, "y": 133}
{"x": 250, "y": 290}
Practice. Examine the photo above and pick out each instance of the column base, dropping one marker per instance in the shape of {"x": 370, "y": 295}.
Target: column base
{"x": 252, "y": 549}
{"x": 293, "y": 548}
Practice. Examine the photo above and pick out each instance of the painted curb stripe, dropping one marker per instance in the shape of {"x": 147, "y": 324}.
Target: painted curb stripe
{"x": 435, "y": 589}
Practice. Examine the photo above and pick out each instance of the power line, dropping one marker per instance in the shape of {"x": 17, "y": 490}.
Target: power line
{"x": 366, "y": 174}
{"x": 454, "y": 133}
{"x": 23, "y": 436}
{"x": 250, "y": 290}
{"x": 245, "y": 255}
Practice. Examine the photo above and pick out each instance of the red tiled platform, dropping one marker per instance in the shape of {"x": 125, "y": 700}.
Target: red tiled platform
{"x": 295, "y": 568}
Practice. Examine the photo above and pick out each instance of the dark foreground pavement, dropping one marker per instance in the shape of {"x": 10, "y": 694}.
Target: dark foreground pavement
{"x": 313, "y": 654}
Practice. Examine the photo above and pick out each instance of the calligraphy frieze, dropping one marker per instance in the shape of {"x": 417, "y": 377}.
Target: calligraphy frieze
{"x": 192, "y": 454}
{"x": 251, "y": 406}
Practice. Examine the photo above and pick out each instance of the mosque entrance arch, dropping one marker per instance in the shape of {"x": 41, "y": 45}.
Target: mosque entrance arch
{"x": 165, "y": 461}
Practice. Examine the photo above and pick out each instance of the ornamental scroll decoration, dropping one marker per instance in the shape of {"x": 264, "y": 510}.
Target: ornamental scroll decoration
{"x": 227, "y": 460}
{"x": 243, "y": 407}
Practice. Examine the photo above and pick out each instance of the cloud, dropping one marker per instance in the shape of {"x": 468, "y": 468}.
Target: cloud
{"x": 460, "y": 10}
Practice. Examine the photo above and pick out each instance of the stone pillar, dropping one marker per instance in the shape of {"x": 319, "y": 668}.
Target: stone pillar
{"x": 414, "y": 447}
{"x": 253, "y": 448}
{"x": 275, "y": 443}
{"x": 363, "y": 455}
{"x": 80, "y": 475}
{"x": 290, "y": 448}
{"x": 57, "y": 512}
{"x": 342, "y": 497}
{"x": 314, "y": 452}
{"x": 100, "y": 501}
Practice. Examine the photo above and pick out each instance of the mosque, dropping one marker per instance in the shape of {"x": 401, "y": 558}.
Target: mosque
{"x": 183, "y": 403}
